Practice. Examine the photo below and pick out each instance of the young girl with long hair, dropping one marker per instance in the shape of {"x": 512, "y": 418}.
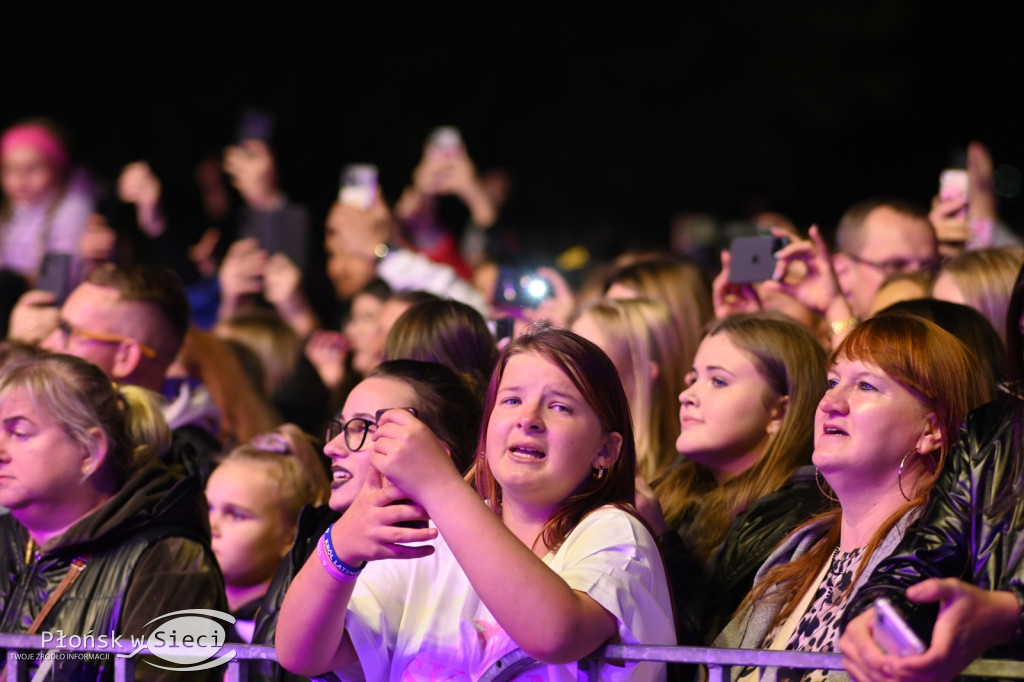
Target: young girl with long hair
{"x": 745, "y": 443}
{"x": 546, "y": 555}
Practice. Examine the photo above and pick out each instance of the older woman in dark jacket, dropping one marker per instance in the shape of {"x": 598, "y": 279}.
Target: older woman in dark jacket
{"x": 86, "y": 492}
{"x": 967, "y": 556}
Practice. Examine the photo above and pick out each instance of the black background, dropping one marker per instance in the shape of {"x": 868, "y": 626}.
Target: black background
{"x": 609, "y": 121}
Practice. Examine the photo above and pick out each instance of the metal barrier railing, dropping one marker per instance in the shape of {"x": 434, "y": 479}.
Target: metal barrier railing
{"x": 18, "y": 665}
{"x": 718, "y": 661}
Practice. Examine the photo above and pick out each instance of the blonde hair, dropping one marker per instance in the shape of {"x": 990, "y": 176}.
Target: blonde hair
{"x": 644, "y": 329}
{"x": 300, "y": 477}
{"x": 276, "y": 345}
{"x": 985, "y": 278}
{"x": 245, "y": 413}
{"x": 792, "y": 364}
{"x": 80, "y": 397}
{"x": 682, "y": 287}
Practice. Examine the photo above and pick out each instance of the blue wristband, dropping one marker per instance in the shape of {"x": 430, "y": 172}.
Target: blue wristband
{"x": 332, "y": 556}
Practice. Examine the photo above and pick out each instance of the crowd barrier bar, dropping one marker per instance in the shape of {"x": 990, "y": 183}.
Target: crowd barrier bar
{"x": 719, "y": 661}
{"x": 510, "y": 665}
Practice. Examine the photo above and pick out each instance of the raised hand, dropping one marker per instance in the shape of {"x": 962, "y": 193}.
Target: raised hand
{"x": 368, "y": 530}
{"x": 729, "y": 298}
{"x": 33, "y": 318}
{"x": 412, "y": 458}
{"x": 326, "y": 352}
{"x": 139, "y": 185}
{"x": 240, "y": 274}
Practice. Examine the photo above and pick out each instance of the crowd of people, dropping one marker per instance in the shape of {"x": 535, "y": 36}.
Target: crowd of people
{"x": 406, "y": 449}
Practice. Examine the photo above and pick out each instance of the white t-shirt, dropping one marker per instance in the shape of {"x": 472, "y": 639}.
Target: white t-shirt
{"x": 420, "y": 619}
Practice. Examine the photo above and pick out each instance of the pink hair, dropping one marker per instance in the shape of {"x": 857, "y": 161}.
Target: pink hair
{"x": 38, "y": 137}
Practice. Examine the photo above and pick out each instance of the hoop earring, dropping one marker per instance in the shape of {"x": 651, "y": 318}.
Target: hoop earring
{"x": 899, "y": 474}
{"x": 598, "y": 474}
{"x": 824, "y": 490}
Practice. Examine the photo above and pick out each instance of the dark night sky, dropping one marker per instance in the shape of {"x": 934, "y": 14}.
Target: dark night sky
{"x": 608, "y": 121}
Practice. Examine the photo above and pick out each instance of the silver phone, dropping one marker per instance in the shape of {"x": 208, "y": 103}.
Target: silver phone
{"x": 892, "y": 632}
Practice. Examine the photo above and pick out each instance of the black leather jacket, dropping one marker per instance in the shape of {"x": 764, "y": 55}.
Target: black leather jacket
{"x": 313, "y": 523}
{"x": 972, "y": 527}
{"x": 148, "y": 554}
{"x": 706, "y": 596}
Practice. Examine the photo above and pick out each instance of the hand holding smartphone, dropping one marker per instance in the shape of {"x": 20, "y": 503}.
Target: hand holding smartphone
{"x": 752, "y": 259}
{"x": 892, "y": 633}
{"x": 358, "y": 185}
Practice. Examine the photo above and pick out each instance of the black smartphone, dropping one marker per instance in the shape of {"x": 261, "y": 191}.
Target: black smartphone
{"x": 752, "y": 259}
{"x": 55, "y": 276}
{"x": 503, "y": 328}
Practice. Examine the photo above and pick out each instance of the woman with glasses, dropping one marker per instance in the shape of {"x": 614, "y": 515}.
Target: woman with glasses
{"x": 435, "y": 394}
{"x": 546, "y": 555}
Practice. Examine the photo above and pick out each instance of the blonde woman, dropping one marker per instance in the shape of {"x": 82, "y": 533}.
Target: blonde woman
{"x": 983, "y": 280}
{"x": 680, "y": 286}
{"x": 640, "y": 338}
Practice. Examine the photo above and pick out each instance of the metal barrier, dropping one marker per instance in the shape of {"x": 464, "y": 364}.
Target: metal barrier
{"x": 509, "y": 666}
{"x": 124, "y": 668}
{"x": 718, "y": 661}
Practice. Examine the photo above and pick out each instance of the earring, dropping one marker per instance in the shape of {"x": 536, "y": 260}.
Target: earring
{"x": 598, "y": 474}
{"x": 823, "y": 487}
{"x": 899, "y": 474}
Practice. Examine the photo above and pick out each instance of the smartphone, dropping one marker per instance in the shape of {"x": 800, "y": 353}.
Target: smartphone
{"x": 752, "y": 259}
{"x": 892, "y": 632}
{"x": 402, "y": 524}
{"x": 358, "y": 185}
{"x": 953, "y": 185}
{"x": 55, "y": 276}
{"x": 444, "y": 141}
{"x": 502, "y": 328}
{"x": 255, "y": 124}
{"x": 519, "y": 288}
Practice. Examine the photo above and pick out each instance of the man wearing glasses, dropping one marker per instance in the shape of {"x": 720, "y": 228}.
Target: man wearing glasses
{"x": 130, "y": 322}
{"x": 877, "y": 238}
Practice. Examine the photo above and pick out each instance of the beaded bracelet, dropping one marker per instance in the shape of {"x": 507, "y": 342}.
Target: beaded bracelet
{"x": 332, "y": 556}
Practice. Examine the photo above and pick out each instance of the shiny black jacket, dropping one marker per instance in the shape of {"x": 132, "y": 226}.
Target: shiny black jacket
{"x": 972, "y": 527}
{"x": 148, "y": 554}
{"x": 706, "y": 596}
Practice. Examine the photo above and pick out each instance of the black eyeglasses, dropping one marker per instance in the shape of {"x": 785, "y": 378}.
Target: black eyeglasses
{"x": 356, "y": 428}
